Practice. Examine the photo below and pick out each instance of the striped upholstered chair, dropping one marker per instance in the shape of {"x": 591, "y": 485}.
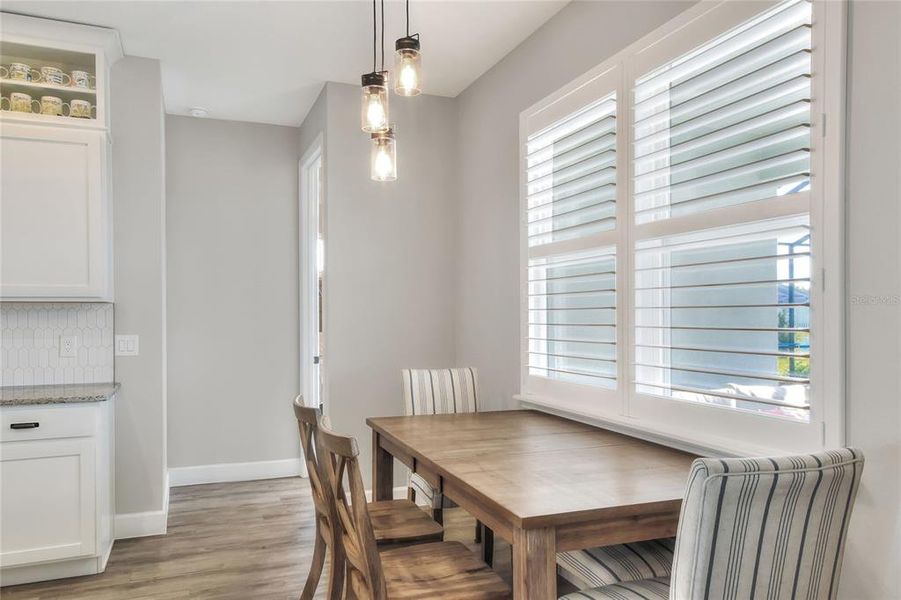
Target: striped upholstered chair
{"x": 756, "y": 528}
{"x": 606, "y": 565}
{"x": 438, "y": 392}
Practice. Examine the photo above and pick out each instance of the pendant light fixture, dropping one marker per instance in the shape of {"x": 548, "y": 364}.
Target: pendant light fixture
{"x": 407, "y": 63}
{"x": 383, "y": 156}
{"x": 374, "y": 110}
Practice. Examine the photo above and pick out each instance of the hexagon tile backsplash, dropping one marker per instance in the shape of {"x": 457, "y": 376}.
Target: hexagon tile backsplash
{"x": 30, "y": 343}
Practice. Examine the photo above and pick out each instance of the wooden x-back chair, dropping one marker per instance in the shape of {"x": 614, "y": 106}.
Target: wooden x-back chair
{"x": 394, "y": 522}
{"x": 424, "y": 571}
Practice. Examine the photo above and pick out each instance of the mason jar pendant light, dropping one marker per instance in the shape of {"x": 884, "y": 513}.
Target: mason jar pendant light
{"x": 383, "y": 156}
{"x": 374, "y": 110}
{"x": 407, "y": 63}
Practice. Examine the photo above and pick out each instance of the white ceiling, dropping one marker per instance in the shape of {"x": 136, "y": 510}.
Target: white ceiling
{"x": 265, "y": 62}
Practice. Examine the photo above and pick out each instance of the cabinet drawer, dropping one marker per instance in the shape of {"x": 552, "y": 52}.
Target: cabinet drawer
{"x": 18, "y": 423}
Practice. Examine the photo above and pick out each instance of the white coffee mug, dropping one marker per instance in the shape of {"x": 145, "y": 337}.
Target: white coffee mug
{"x": 20, "y": 71}
{"x": 81, "y": 109}
{"x": 20, "y": 102}
{"x": 51, "y": 105}
{"x": 83, "y": 79}
{"x": 55, "y": 76}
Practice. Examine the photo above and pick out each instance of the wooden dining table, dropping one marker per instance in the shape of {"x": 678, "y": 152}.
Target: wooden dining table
{"x": 543, "y": 483}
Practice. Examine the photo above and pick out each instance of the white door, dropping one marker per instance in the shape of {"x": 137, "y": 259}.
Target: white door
{"x": 312, "y": 262}
{"x": 54, "y": 230}
{"x": 47, "y": 500}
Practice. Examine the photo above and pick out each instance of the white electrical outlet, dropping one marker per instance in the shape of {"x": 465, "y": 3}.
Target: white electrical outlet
{"x": 126, "y": 345}
{"x": 68, "y": 346}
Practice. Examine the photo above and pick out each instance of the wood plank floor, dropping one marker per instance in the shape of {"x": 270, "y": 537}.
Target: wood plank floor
{"x": 234, "y": 540}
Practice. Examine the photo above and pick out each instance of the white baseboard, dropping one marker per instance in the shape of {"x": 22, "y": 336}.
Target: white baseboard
{"x": 400, "y": 493}
{"x": 143, "y": 524}
{"x": 77, "y": 567}
{"x": 222, "y": 473}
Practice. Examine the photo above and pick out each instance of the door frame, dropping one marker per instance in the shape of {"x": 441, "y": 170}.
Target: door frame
{"x": 308, "y": 229}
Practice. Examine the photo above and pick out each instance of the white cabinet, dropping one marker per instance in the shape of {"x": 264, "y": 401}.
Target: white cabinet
{"x": 54, "y": 217}
{"x": 56, "y": 506}
{"x": 47, "y": 500}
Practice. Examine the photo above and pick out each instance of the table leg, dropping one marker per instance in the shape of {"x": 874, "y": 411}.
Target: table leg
{"x": 382, "y": 471}
{"x": 535, "y": 564}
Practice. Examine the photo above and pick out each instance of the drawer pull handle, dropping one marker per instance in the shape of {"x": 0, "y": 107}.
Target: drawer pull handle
{"x": 32, "y": 425}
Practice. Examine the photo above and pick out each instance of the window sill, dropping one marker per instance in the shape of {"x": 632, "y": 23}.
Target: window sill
{"x": 706, "y": 445}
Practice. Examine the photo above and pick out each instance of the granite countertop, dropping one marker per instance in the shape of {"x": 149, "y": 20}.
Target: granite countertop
{"x": 57, "y": 394}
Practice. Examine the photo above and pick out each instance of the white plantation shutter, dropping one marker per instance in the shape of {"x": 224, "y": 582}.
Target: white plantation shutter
{"x": 681, "y": 205}
{"x": 729, "y": 123}
{"x": 572, "y": 317}
{"x": 722, "y": 317}
{"x": 571, "y": 175}
{"x": 570, "y": 187}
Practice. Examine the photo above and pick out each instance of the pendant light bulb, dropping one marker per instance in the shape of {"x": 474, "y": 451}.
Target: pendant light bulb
{"x": 374, "y": 114}
{"x": 408, "y": 66}
{"x": 383, "y": 156}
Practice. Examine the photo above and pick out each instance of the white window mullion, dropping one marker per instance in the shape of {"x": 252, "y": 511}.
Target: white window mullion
{"x": 625, "y": 298}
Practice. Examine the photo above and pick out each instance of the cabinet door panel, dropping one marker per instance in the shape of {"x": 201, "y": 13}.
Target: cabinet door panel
{"x": 52, "y": 221}
{"x": 47, "y": 500}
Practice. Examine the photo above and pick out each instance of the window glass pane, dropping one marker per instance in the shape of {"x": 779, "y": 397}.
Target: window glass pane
{"x": 572, "y": 317}
{"x": 722, "y": 317}
{"x": 729, "y": 122}
{"x": 571, "y": 175}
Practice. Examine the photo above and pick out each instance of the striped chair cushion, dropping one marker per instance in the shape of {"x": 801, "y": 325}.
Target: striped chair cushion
{"x": 765, "y": 527}
{"x": 440, "y": 391}
{"x": 607, "y": 565}
{"x": 647, "y": 589}
{"x": 434, "y": 392}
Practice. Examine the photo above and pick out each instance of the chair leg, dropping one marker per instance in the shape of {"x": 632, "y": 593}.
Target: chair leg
{"x": 337, "y": 569}
{"x": 411, "y": 494}
{"x": 309, "y": 589}
{"x": 488, "y": 546}
{"x": 438, "y": 515}
{"x": 478, "y": 532}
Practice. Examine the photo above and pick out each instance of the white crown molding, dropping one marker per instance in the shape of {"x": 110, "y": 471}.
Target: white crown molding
{"x": 55, "y": 34}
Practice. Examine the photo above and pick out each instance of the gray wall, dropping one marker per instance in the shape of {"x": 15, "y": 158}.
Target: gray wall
{"x": 874, "y": 287}
{"x": 487, "y": 261}
{"x": 140, "y": 282}
{"x": 579, "y": 37}
{"x": 314, "y": 124}
{"x": 389, "y": 255}
{"x": 232, "y": 298}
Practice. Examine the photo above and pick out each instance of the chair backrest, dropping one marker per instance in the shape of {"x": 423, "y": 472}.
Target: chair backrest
{"x": 440, "y": 391}
{"x": 765, "y": 527}
{"x": 364, "y": 568}
{"x": 308, "y": 425}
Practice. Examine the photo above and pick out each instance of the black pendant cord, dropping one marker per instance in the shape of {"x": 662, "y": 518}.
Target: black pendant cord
{"x": 408, "y": 18}
{"x": 383, "y": 36}
{"x": 374, "y": 41}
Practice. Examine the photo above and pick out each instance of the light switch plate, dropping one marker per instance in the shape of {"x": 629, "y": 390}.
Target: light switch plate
{"x": 68, "y": 346}
{"x": 126, "y": 345}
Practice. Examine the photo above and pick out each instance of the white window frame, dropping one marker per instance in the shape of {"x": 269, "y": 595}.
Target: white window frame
{"x": 669, "y": 420}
